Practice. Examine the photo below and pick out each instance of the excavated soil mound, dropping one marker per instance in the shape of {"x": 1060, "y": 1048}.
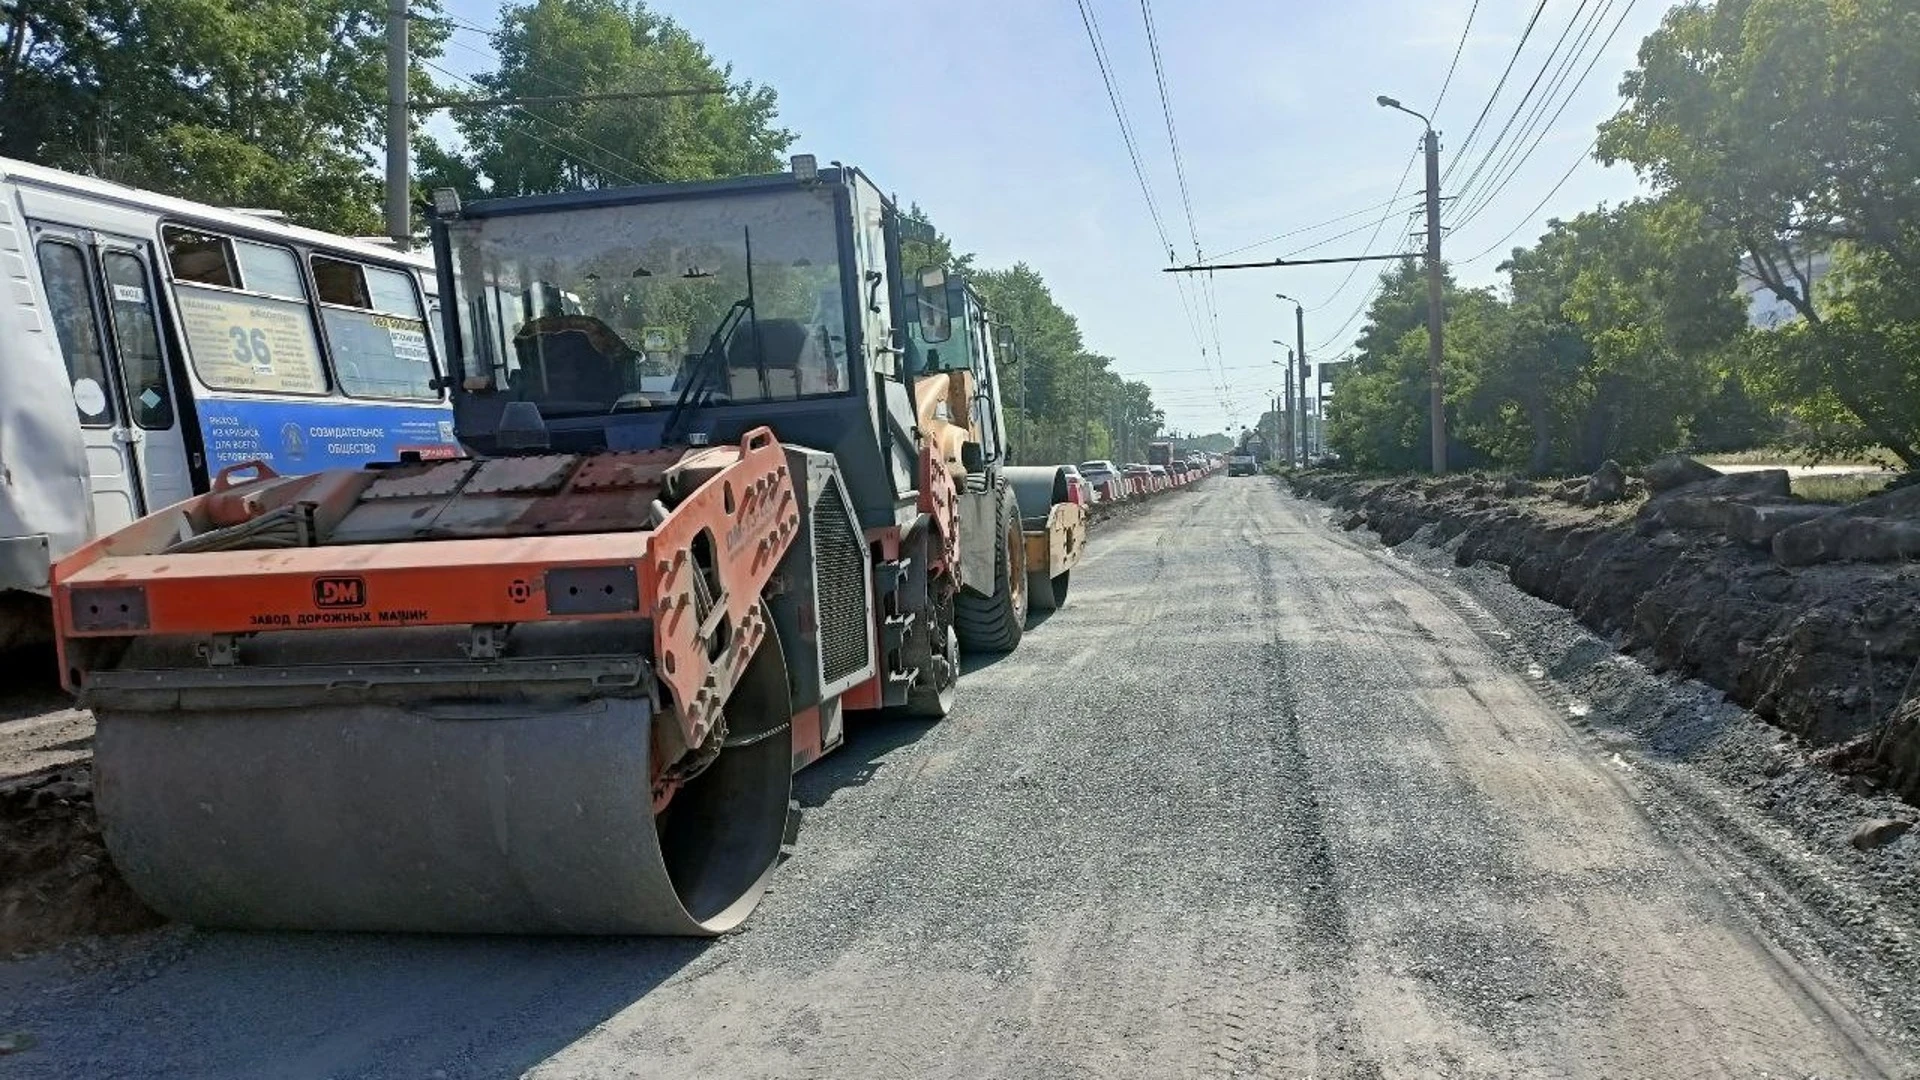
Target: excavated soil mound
{"x": 1828, "y": 652}
{"x": 55, "y": 879}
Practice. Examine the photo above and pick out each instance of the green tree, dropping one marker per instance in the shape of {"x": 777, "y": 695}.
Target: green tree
{"x": 1733, "y": 419}
{"x": 551, "y": 48}
{"x": 923, "y": 245}
{"x": 1380, "y": 418}
{"x": 1792, "y": 125}
{"x": 1626, "y": 313}
{"x": 267, "y": 103}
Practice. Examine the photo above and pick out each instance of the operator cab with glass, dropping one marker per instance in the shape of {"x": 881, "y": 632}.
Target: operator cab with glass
{"x": 638, "y": 318}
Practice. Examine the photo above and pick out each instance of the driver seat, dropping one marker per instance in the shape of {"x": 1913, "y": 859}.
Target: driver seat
{"x": 569, "y": 358}
{"x": 784, "y": 341}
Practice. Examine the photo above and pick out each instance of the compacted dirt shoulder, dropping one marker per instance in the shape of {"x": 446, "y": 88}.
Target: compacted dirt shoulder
{"x": 56, "y": 881}
{"x": 1695, "y": 579}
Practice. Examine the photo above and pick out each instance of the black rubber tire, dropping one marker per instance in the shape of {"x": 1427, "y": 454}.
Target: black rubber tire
{"x": 993, "y": 624}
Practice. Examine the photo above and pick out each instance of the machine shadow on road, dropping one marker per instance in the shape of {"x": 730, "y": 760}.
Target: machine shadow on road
{"x": 971, "y": 662}
{"x": 871, "y": 738}
{"x": 389, "y": 1004}
{"x": 363, "y": 1005}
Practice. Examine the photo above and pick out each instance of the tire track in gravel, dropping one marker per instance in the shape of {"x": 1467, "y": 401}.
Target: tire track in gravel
{"x": 1323, "y": 946}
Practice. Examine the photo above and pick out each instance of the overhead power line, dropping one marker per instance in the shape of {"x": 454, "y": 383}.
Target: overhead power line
{"x": 567, "y": 99}
{"x": 1091, "y": 23}
{"x": 569, "y": 132}
{"x": 1512, "y": 170}
{"x": 1180, "y": 173}
{"x": 1365, "y": 302}
{"x": 1455, "y": 62}
{"x": 1126, "y": 129}
{"x": 1495, "y": 96}
{"x": 1315, "y": 226}
{"x": 1585, "y": 156}
{"x": 1527, "y": 96}
{"x": 448, "y": 20}
{"x": 1166, "y": 110}
{"x": 1374, "y": 238}
{"x": 1532, "y": 126}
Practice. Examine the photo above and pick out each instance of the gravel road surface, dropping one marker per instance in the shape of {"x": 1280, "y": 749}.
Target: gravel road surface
{"x": 1263, "y": 800}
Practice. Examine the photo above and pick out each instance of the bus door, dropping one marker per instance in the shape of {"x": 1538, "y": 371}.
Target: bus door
{"x": 100, "y": 290}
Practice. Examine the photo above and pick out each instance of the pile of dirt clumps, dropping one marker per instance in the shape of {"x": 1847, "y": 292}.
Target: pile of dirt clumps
{"x": 56, "y": 881}
{"x": 1710, "y": 576}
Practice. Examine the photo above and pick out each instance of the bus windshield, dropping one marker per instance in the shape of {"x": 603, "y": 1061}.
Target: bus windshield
{"x": 585, "y": 312}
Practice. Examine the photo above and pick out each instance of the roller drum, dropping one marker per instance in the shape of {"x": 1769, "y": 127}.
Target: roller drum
{"x": 462, "y": 818}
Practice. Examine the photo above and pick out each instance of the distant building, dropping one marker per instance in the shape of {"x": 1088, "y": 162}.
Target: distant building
{"x": 1765, "y": 311}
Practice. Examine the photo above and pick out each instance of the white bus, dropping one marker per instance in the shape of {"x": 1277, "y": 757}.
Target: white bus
{"x": 147, "y": 343}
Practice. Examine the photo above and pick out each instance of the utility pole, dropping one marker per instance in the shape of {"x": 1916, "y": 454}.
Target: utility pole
{"x": 1300, "y": 339}
{"x": 1275, "y": 451}
{"x": 1436, "y": 320}
{"x": 1299, "y": 405}
{"x": 399, "y": 223}
{"x": 1293, "y": 422}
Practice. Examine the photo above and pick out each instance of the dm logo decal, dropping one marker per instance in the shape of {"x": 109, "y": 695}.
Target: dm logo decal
{"x": 339, "y": 592}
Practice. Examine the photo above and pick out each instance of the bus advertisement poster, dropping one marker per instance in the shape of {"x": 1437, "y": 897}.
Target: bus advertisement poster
{"x": 295, "y": 437}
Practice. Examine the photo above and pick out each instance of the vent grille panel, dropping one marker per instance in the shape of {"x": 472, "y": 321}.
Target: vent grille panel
{"x": 840, "y": 572}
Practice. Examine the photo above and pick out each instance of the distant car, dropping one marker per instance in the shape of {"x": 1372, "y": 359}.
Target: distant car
{"x": 1242, "y": 465}
{"x": 1079, "y": 491}
{"x": 1105, "y": 478}
{"x": 1161, "y": 478}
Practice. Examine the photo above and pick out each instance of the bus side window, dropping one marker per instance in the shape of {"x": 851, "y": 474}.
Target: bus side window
{"x": 63, "y": 268}
{"x": 244, "y": 307}
{"x": 376, "y": 328}
{"x": 201, "y": 258}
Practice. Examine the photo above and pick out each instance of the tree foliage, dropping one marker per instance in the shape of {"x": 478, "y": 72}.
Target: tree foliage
{"x": 267, "y": 103}
{"x": 1613, "y": 335}
{"x": 1782, "y": 138}
{"x": 281, "y": 105}
{"x": 552, "y": 48}
{"x": 1793, "y": 126}
{"x": 1067, "y": 404}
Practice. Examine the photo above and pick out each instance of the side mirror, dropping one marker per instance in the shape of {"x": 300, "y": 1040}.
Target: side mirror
{"x": 1003, "y": 337}
{"x": 936, "y": 313}
{"x": 972, "y": 457}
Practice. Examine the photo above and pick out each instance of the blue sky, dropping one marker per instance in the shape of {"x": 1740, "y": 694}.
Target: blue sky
{"x": 1273, "y": 103}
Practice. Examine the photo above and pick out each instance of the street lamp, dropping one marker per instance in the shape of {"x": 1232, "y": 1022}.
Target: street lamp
{"x": 1394, "y": 103}
{"x": 1300, "y": 338}
{"x": 1436, "y": 409}
{"x": 1286, "y": 396}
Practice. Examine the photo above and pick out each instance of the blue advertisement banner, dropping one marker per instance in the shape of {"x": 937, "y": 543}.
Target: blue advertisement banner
{"x": 295, "y": 437}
